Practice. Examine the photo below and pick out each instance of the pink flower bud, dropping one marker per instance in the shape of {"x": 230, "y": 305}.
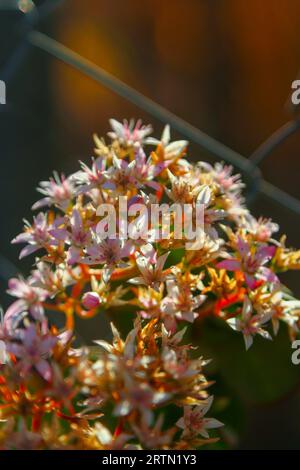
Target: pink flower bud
{"x": 90, "y": 300}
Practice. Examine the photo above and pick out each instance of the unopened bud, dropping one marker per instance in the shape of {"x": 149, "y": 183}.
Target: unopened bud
{"x": 90, "y": 300}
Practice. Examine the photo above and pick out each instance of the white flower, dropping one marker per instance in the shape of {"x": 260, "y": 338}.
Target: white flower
{"x": 180, "y": 302}
{"x": 249, "y": 324}
{"x": 129, "y": 133}
{"x": 151, "y": 274}
{"x": 193, "y": 421}
{"x": 172, "y": 149}
{"x": 59, "y": 191}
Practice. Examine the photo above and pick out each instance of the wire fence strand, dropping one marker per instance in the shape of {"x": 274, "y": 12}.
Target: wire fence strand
{"x": 275, "y": 139}
{"x": 247, "y": 166}
{"x": 157, "y": 111}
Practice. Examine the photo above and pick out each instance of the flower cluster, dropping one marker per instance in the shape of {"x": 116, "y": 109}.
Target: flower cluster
{"x": 117, "y": 396}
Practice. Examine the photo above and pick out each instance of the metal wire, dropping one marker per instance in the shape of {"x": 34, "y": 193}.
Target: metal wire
{"x": 246, "y": 166}
{"x": 97, "y": 73}
{"x": 275, "y": 139}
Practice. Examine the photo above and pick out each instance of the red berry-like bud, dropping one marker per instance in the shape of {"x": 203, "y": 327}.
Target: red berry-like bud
{"x": 90, "y": 300}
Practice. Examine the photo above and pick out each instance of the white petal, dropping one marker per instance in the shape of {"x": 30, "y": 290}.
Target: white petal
{"x": 137, "y": 280}
{"x": 175, "y": 148}
{"x": 204, "y": 195}
{"x": 104, "y": 345}
{"x": 247, "y": 309}
{"x": 161, "y": 261}
{"x": 211, "y": 423}
{"x": 165, "y": 138}
{"x": 180, "y": 423}
{"x": 233, "y": 323}
{"x": 265, "y": 334}
{"x": 116, "y": 126}
{"x": 248, "y": 341}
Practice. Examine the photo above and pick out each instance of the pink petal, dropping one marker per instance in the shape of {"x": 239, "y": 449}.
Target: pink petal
{"x": 14, "y": 309}
{"x": 37, "y": 311}
{"x": 153, "y": 185}
{"x": 161, "y": 261}
{"x": 269, "y": 275}
{"x": 15, "y": 349}
{"x": 73, "y": 255}
{"x": 250, "y": 281}
{"x": 265, "y": 253}
{"x": 46, "y": 201}
{"x": 243, "y": 247}
{"x": 28, "y": 250}
{"x": 47, "y": 344}
{"x": 59, "y": 234}
{"x": 231, "y": 264}
{"x": 22, "y": 238}
{"x": 44, "y": 369}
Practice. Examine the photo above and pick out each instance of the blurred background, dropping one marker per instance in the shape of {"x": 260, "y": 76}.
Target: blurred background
{"x": 226, "y": 66}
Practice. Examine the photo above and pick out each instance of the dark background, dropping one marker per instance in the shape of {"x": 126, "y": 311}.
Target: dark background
{"x": 225, "y": 66}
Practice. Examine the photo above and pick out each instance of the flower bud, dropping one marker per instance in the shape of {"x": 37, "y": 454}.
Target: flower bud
{"x": 90, "y": 300}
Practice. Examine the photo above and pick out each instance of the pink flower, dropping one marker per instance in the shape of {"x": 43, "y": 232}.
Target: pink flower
{"x": 249, "y": 324}
{"x": 193, "y": 421}
{"x": 183, "y": 189}
{"x": 78, "y": 237}
{"x": 154, "y": 437}
{"x": 224, "y": 177}
{"x": 145, "y": 171}
{"x": 37, "y": 235}
{"x": 251, "y": 264}
{"x": 129, "y": 134}
{"x": 30, "y": 299}
{"x": 180, "y": 304}
{"x": 121, "y": 175}
{"x": 109, "y": 252}
{"x": 262, "y": 229}
{"x": 151, "y": 273}
{"x": 59, "y": 191}
{"x": 53, "y": 281}
{"x": 33, "y": 352}
{"x": 90, "y": 178}
{"x": 171, "y": 149}
{"x": 176, "y": 365}
{"x": 141, "y": 397}
{"x": 138, "y": 173}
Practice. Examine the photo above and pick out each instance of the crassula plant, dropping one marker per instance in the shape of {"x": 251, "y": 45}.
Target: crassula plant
{"x": 100, "y": 248}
